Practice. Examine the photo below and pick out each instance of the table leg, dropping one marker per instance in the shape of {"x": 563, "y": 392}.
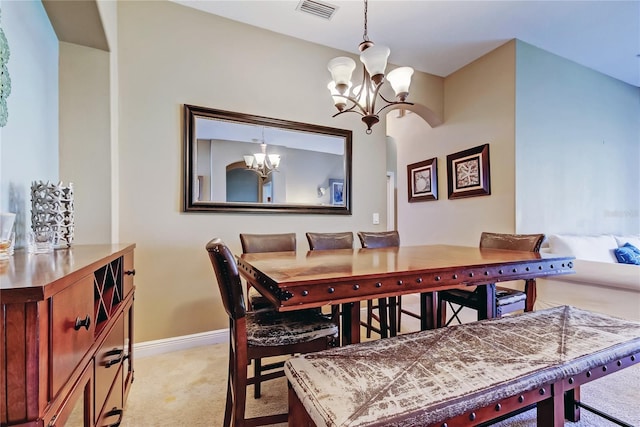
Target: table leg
{"x": 530, "y": 291}
{"x": 487, "y": 293}
{"x": 428, "y": 310}
{"x": 350, "y": 323}
{"x": 571, "y": 410}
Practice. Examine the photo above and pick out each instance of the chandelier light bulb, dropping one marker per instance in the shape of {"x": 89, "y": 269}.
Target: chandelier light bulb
{"x": 374, "y": 59}
{"x": 341, "y": 69}
{"x": 274, "y": 159}
{"x": 400, "y": 80}
{"x": 339, "y": 101}
{"x": 248, "y": 160}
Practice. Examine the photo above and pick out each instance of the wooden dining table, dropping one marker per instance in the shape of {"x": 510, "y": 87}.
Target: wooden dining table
{"x": 299, "y": 280}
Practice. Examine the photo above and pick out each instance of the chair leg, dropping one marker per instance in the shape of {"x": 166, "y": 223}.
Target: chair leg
{"x": 392, "y": 317}
{"x": 228, "y": 409}
{"x": 382, "y": 314}
{"x": 399, "y": 312}
{"x": 257, "y": 373}
{"x": 369, "y": 317}
{"x": 239, "y": 390}
{"x": 454, "y": 315}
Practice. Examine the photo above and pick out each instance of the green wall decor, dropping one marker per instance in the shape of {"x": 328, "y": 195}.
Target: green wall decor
{"x": 5, "y": 79}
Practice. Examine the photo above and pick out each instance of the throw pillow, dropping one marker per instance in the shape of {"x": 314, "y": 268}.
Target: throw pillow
{"x": 591, "y": 248}
{"x": 628, "y": 254}
{"x": 634, "y": 239}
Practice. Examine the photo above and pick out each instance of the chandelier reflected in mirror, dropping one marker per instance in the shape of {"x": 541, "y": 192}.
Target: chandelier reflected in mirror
{"x": 262, "y": 163}
{"x": 363, "y": 98}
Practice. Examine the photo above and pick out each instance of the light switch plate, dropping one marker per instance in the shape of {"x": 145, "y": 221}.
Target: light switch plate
{"x": 376, "y": 218}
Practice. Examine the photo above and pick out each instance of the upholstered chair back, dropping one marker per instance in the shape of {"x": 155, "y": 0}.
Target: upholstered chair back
{"x": 513, "y": 242}
{"x": 226, "y": 270}
{"x": 324, "y": 241}
{"x": 380, "y": 239}
{"x": 254, "y": 243}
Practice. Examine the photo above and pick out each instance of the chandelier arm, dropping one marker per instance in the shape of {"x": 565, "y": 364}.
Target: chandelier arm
{"x": 374, "y": 98}
{"x": 393, "y": 104}
{"x": 355, "y": 104}
{"x": 350, "y": 110}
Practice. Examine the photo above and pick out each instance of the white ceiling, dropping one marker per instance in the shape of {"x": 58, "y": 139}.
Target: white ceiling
{"x": 439, "y": 37}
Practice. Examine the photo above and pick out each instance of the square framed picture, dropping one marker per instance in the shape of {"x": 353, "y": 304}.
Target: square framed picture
{"x": 336, "y": 187}
{"x": 468, "y": 173}
{"x": 423, "y": 180}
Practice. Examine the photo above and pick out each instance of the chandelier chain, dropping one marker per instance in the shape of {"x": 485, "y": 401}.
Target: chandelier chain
{"x": 365, "y": 36}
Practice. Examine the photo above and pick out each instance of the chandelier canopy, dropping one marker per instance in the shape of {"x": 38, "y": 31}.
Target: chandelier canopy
{"x": 362, "y": 98}
{"x": 262, "y": 163}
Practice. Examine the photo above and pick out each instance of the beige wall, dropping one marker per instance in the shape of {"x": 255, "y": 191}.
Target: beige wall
{"x": 85, "y": 138}
{"x": 478, "y": 109}
{"x": 170, "y": 55}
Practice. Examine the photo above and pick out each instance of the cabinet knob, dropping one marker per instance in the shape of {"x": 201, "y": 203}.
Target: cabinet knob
{"x": 130, "y": 272}
{"x": 86, "y": 322}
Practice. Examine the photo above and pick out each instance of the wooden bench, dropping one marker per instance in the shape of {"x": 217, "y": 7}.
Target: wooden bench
{"x": 463, "y": 375}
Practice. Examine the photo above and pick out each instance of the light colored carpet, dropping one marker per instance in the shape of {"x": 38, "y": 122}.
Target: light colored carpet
{"x": 188, "y": 388}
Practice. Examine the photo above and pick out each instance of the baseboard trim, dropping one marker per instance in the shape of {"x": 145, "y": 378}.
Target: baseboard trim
{"x": 184, "y": 342}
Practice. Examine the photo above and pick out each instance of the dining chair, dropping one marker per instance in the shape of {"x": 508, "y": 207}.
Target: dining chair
{"x": 389, "y": 309}
{"x": 507, "y": 300}
{"x": 327, "y": 241}
{"x": 258, "y": 243}
{"x": 324, "y": 241}
{"x": 258, "y": 334}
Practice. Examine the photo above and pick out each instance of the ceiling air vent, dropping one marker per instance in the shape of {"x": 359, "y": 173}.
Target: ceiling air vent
{"x": 316, "y": 8}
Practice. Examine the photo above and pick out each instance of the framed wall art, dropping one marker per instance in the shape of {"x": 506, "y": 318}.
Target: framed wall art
{"x": 423, "y": 180}
{"x": 337, "y": 191}
{"x": 468, "y": 173}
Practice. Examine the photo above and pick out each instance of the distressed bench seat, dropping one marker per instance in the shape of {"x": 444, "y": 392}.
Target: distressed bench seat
{"x": 462, "y": 375}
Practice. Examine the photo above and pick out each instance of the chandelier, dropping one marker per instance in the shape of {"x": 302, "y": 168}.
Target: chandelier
{"x": 262, "y": 163}
{"x": 363, "y": 97}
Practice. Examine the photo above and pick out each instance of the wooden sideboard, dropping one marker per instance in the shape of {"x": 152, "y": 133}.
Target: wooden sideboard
{"x": 66, "y": 336}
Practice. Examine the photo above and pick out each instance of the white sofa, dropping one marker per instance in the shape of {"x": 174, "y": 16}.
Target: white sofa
{"x": 600, "y": 284}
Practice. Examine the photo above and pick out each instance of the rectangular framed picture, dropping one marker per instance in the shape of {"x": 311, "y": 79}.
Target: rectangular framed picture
{"x": 468, "y": 173}
{"x": 336, "y": 187}
{"x": 423, "y": 180}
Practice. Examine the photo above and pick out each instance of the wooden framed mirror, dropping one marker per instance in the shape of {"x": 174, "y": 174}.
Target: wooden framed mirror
{"x": 235, "y": 162}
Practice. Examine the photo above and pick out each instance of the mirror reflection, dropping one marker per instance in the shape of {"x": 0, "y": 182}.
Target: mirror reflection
{"x": 236, "y": 161}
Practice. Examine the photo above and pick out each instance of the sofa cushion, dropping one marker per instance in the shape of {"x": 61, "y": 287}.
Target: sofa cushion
{"x": 634, "y": 239}
{"x": 591, "y": 248}
{"x": 628, "y": 254}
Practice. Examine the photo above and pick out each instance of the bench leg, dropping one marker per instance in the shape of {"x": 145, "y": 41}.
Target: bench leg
{"x": 550, "y": 412}
{"x": 298, "y": 416}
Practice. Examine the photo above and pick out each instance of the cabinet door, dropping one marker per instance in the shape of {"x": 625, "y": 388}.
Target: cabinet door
{"x": 77, "y": 408}
{"x": 108, "y": 361}
{"x": 72, "y": 329}
{"x": 113, "y": 411}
